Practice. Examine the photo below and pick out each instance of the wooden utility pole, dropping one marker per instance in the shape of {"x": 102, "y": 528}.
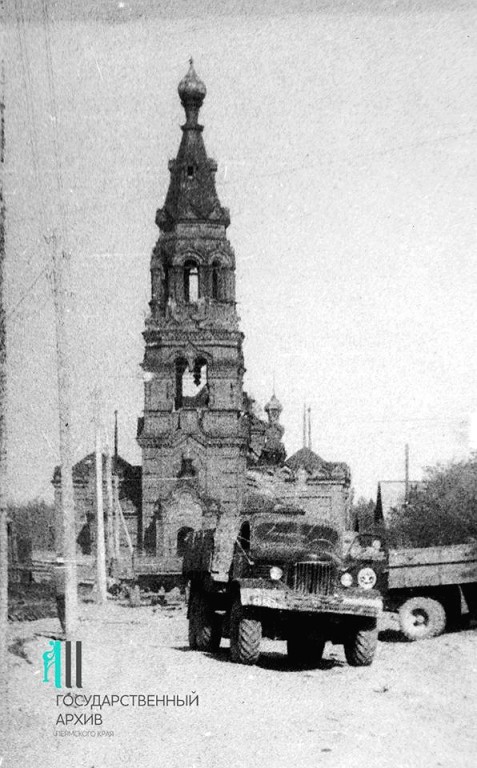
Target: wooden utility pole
{"x": 116, "y": 438}
{"x": 108, "y": 465}
{"x": 66, "y": 547}
{"x": 116, "y": 519}
{"x": 3, "y": 437}
{"x": 116, "y": 522}
{"x": 100, "y": 548}
{"x": 406, "y": 473}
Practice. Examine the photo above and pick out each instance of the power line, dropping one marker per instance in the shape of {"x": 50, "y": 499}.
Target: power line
{"x": 14, "y": 310}
{"x": 54, "y": 114}
{"x": 30, "y": 109}
{"x": 31, "y": 314}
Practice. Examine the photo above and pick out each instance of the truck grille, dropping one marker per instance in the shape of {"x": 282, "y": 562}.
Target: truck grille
{"x": 314, "y": 578}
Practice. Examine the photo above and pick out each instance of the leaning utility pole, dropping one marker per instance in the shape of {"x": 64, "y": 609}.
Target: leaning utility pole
{"x": 3, "y": 437}
{"x": 66, "y": 547}
{"x": 100, "y": 549}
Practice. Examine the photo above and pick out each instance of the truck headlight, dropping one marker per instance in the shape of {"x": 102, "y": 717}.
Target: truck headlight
{"x": 346, "y": 579}
{"x": 276, "y": 573}
{"x": 366, "y": 578}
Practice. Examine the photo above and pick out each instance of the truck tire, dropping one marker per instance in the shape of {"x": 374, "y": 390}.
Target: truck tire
{"x": 245, "y": 636}
{"x": 204, "y": 625}
{"x": 305, "y": 650}
{"x": 422, "y": 617}
{"x": 361, "y": 642}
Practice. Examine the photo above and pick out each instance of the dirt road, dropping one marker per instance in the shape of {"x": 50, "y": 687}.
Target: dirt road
{"x": 416, "y": 707}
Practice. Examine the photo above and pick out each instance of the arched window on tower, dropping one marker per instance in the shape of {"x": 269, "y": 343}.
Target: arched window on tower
{"x": 191, "y": 282}
{"x": 216, "y": 280}
{"x": 184, "y": 535}
{"x": 192, "y": 389}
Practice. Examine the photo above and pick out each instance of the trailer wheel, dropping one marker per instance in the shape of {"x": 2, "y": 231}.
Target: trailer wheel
{"x": 361, "y": 642}
{"x": 204, "y": 625}
{"x": 245, "y": 636}
{"x": 421, "y": 618}
{"x": 305, "y": 650}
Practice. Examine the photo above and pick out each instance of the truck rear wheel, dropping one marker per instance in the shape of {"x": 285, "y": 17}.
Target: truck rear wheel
{"x": 204, "y": 625}
{"x": 245, "y": 636}
{"x": 422, "y": 617}
{"x": 305, "y": 650}
{"x": 361, "y": 642}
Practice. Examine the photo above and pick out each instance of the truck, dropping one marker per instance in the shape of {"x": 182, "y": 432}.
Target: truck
{"x": 280, "y": 573}
{"x": 428, "y": 586}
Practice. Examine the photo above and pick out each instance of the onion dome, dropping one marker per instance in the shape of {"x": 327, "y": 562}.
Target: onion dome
{"x": 274, "y": 405}
{"x": 192, "y": 93}
{"x": 192, "y": 194}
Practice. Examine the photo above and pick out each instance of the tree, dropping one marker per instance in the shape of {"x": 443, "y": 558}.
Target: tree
{"x": 441, "y": 510}
{"x": 34, "y": 521}
{"x": 362, "y": 513}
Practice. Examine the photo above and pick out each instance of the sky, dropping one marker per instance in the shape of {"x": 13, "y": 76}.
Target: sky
{"x": 346, "y": 141}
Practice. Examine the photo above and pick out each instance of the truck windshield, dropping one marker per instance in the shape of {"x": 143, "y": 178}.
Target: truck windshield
{"x": 292, "y": 532}
{"x": 366, "y": 546}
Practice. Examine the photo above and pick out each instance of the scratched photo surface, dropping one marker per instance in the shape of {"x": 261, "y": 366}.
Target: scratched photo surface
{"x": 345, "y": 140}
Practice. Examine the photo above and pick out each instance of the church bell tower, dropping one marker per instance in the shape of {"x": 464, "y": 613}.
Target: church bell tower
{"x": 192, "y": 436}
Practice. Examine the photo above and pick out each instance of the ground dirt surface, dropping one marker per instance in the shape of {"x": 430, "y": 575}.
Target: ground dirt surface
{"x": 416, "y": 707}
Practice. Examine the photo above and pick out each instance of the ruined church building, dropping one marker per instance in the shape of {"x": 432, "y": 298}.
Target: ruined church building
{"x": 204, "y": 451}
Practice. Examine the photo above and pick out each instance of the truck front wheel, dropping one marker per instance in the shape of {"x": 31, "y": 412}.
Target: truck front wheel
{"x": 245, "y": 636}
{"x": 204, "y": 625}
{"x": 422, "y": 617}
{"x": 361, "y": 642}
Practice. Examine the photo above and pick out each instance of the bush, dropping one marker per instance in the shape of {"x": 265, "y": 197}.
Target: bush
{"x": 442, "y": 510}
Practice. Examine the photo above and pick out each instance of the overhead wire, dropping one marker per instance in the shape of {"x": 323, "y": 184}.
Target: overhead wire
{"x": 27, "y": 292}
{"x": 54, "y": 115}
{"x": 32, "y": 141}
{"x": 32, "y": 136}
{"x": 27, "y": 87}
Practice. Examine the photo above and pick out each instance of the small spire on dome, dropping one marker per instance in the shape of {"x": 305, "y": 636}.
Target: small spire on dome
{"x": 192, "y": 93}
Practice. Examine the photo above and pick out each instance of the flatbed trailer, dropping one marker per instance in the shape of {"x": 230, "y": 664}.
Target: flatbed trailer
{"x": 139, "y": 569}
{"x": 429, "y": 585}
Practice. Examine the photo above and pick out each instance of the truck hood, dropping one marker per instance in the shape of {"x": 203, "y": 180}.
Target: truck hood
{"x": 292, "y": 540}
